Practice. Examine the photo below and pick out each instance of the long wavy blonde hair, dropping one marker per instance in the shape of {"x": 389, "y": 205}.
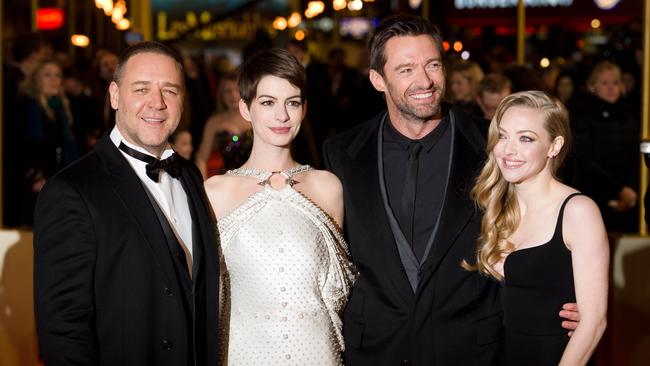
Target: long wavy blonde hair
{"x": 495, "y": 195}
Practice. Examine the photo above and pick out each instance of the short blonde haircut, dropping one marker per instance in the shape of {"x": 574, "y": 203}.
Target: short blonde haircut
{"x": 598, "y": 69}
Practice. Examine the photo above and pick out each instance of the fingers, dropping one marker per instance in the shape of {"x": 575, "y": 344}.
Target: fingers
{"x": 573, "y": 316}
{"x": 570, "y": 334}
{"x": 570, "y": 326}
{"x": 571, "y": 306}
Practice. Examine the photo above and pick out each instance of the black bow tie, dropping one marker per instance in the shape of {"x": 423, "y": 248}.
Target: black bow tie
{"x": 172, "y": 165}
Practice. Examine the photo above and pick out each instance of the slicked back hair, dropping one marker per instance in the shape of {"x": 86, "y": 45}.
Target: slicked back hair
{"x": 400, "y": 25}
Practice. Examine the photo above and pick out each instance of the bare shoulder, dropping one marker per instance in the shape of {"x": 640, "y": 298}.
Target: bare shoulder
{"x": 216, "y": 182}
{"x": 583, "y": 224}
{"x": 226, "y": 192}
{"x": 325, "y": 190}
{"x": 322, "y": 182}
{"x": 579, "y": 207}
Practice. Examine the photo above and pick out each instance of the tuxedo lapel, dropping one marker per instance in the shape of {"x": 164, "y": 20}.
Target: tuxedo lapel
{"x": 131, "y": 191}
{"x": 458, "y": 208}
{"x": 362, "y": 180}
{"x": 201, "y": 224}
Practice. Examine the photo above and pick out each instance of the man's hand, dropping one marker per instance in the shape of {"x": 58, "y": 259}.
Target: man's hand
{"x": 570, "y": 313}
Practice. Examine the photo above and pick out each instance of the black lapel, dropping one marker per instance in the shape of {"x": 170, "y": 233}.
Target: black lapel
{"x": 132, "y": 192}
{"x": 458, "y": 207}
{"x": 201, "y": 218}
{"x": 362, "y": 180}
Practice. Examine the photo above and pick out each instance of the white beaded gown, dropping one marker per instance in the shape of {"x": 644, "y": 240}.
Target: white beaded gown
{"x": 286, "y": 275}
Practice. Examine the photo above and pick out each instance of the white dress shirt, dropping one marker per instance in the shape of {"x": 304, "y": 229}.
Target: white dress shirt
{"x": 168, "y": 193}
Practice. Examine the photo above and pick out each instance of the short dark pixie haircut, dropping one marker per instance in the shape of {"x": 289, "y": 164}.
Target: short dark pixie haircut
{"x": 276, "y": 62}
{"x": 147, "y": 47}
{"x": 400, "y": 25}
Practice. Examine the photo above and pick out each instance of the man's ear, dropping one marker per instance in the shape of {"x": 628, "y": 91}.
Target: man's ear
{"x": 377, "y": 81}
{"x": 114, "y": 91}
{"x": 243, "y": 110}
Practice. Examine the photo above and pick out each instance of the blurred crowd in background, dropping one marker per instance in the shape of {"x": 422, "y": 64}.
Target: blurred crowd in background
{"x": 56, "y": 107}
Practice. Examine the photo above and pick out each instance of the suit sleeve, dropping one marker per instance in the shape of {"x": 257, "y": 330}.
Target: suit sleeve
{"x": 326, "y": 156}
{"x": 64, "y": 260}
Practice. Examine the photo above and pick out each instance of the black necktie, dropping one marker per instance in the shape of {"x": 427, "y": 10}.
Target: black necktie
{"x": 408, "y": 193}
{"x": 172, "y": 165}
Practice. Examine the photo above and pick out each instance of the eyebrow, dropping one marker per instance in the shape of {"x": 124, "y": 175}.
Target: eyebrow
{"x": 411, "y": 64}
{"x": 530, "y": 131}
{"x": 520, "y": 131}
{"x": 165, "y": 84}
{"x": 272, "y": 97}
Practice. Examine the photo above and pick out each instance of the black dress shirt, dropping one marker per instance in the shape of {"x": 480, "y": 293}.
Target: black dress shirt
{"x": 432, "y": 177}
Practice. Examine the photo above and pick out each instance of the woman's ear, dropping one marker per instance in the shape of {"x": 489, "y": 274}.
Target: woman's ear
{"x": 556, "y": 147}
{"x": 243, "y": 110}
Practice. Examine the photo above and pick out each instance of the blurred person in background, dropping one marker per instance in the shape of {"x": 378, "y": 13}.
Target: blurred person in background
{"x": 86, "y": 128}
{"x": 103, "y": 66}
{"x": 341, "y": 83}
{"x": 47, "y": 135}
{"x": 491, "y": 90}
{"x": 464, "y": 79}
{"x": 27, "y": 52}
{"x": 306, "y": 146}
{"x": 181, "y": 142}
{"x": 199, "y": 104}
{"x": 606, "y": 156}
{"x": 564, "y": 88}
{"x": 227, "y": 137}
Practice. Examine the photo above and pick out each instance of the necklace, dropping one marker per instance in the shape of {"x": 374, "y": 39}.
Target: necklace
{"x": 265, "y": 175}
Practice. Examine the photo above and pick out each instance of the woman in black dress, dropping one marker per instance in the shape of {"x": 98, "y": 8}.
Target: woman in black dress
{"x": 543, "y": 240}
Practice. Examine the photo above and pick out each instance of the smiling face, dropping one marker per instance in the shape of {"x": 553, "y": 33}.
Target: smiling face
{"x": 148, "y": 100}
{"x": 524, "y": 148}
{"x": 413, "y": 80}
{"x": 275, "y": 112}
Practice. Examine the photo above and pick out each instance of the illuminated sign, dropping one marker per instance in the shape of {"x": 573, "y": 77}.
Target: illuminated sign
{"x": 202, "y": 27}
{"x": 494, "y": 4}
{"x": 49, "y": 18}
{"x": 211, "y": 20}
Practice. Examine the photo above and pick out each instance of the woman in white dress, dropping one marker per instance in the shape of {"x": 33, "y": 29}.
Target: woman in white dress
{"x": 286, "y": 268}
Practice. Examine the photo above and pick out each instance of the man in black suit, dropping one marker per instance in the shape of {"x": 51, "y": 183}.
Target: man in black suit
{"x": 125, "y": 248}
{"x": 409, "y": 218}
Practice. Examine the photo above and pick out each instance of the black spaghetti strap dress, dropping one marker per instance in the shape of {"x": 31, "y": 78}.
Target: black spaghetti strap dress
{"x": 538, "y": 281}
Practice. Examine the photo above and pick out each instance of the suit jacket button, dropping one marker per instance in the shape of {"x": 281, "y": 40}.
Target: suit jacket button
{"x": 168, "y": 292}
{"x": 166, "y": 344}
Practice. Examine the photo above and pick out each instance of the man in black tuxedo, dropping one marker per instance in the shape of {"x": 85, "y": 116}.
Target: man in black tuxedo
{"x": 125, "y": 248}
{"x": 409, "y": 218}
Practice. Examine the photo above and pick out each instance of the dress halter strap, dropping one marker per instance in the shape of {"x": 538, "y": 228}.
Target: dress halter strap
{"x": 265, "y": 176}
